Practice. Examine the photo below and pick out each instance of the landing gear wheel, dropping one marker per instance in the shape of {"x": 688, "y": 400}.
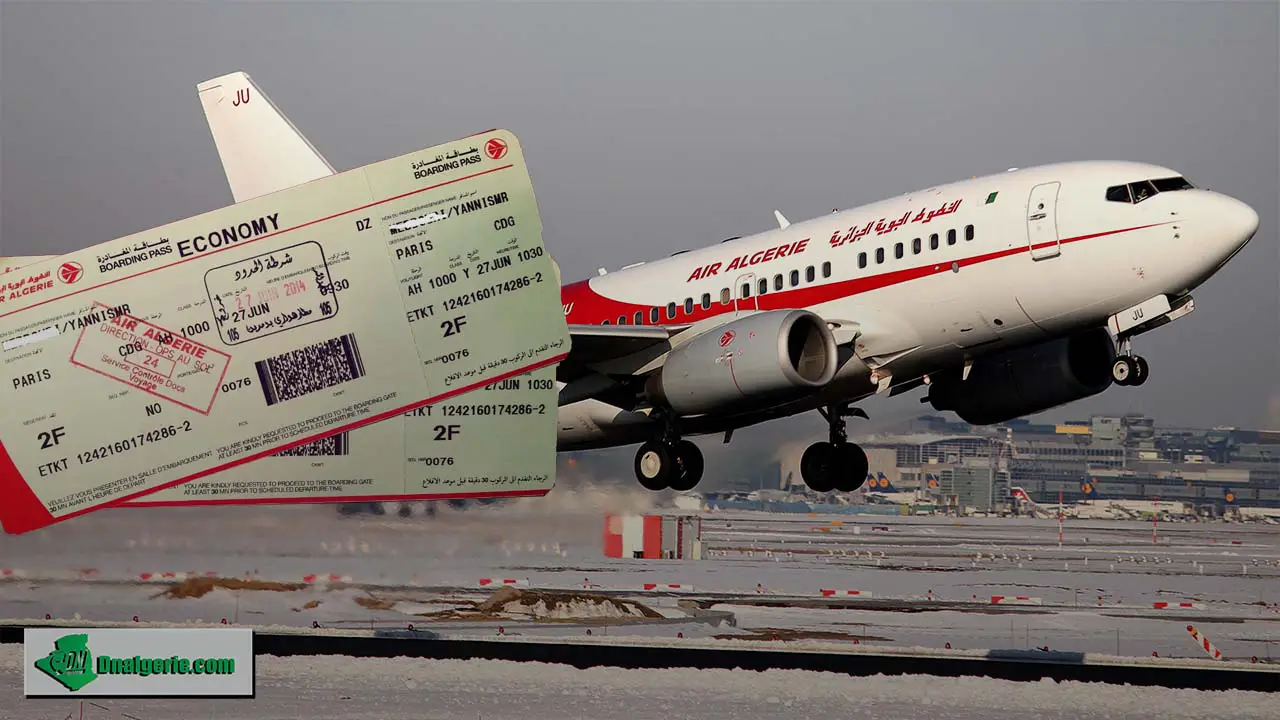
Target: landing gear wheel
{"x": 816, "y": 467}
{"x": 850, "y": 467}
{"x": 655, "y": 465}
{"x": 689, "y": 463}
{"x": 1123, "y": 370}
{"x": 1140, "y": 366}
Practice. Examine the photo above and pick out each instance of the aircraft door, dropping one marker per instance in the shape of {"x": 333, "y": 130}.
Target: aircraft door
{"x": 744, "y": 294}
{"x": 1042, "y": 221}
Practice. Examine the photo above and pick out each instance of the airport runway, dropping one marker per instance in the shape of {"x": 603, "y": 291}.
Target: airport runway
{"x": 930, "y": 579}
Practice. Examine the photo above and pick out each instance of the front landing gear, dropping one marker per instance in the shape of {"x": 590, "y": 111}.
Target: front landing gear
{"x": 837, "y": 464}
{"x": 1129, "y": 369}
{"x": 675, "y": 464}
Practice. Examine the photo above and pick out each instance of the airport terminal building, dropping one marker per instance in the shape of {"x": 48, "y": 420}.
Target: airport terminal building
{"x": 956, "y": 467}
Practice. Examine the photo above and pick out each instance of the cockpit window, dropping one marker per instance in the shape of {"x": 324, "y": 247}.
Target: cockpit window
{"x": 1136, "y": 192}
{"x": 1118, "y": 193}
{"x": 1141, "y": 191}
{"x": 1172, "y": 183}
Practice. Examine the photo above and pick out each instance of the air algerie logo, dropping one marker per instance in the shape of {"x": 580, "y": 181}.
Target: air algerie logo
{"x": 495, "y": 148}
{"x": 70, "y": 272}
{"x": 726, "y": 338}
{"x": 70, "y": 663}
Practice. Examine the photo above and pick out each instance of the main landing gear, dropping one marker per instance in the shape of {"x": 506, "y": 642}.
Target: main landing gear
{"x": 669, "y": 463}
{"x": 1128, "y": 369}
{"x": 837, "y": 464}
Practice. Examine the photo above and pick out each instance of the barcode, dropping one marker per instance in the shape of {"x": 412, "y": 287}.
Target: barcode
{"x": 339, "y": 444}
{"x": 310, "y": 369}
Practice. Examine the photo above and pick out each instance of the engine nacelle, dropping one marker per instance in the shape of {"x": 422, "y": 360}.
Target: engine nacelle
{"x": 758, "y": 359}
{"x": 1028, "y": 380}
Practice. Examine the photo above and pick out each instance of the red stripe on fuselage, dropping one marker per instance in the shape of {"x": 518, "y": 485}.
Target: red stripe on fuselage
{"x": 592, "y": 308}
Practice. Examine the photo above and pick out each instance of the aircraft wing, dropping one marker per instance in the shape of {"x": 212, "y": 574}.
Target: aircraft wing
{"x": 601, "y": 343}
{"x": 617, "y": 351}
{"x": 261, "y": 151}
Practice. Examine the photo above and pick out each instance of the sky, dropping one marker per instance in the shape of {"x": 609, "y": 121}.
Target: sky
{"x": 650, "y": 128}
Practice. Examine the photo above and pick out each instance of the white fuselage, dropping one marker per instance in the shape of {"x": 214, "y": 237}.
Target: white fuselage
{"x": 1012, "y": 259}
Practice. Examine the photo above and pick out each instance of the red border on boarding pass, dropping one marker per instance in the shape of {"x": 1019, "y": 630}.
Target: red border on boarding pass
{"x": 156, "y": 361}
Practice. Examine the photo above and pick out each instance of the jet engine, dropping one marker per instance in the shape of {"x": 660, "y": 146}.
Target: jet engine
{"x": 766, "y": 357}
{"x": 1028, "y": 380}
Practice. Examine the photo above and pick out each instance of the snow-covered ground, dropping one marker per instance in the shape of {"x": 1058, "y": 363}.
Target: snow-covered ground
{"x": 398, "y": 689}
{"x": 1097, "y": 592}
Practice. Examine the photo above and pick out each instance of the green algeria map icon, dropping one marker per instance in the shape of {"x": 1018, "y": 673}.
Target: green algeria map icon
{"x": 70, "y": 663}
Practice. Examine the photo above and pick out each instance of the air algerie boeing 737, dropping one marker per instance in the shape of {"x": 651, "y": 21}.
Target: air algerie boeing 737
{"x": 1006, "y": 295}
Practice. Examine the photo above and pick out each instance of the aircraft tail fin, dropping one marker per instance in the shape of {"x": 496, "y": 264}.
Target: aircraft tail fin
{"x": 261, "y": 151}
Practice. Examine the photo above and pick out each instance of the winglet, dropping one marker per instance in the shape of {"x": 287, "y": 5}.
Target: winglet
{"x": 783, "y": 223}
{"x": 261, "y": 151}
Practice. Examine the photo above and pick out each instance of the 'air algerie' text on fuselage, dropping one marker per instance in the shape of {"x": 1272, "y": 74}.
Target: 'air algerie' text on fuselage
{"x": 229, "y": 235}
{"x": 742, "y": 261}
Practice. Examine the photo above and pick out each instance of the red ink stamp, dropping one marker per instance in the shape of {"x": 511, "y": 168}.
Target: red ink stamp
{"x": 152, "y": 359}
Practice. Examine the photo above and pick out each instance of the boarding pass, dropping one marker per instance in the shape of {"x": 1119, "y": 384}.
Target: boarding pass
{"x": 492, "y": 442}
{"x": 162, "y": 357}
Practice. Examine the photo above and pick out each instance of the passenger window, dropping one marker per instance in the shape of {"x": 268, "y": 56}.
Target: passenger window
{"x": 897, "y": 250}
{"x": 915, "y": 246}
{"x": 795, "y": 278}
{"x": 879, "y": 255}
{"x": 951, "y": 237}
{"x": 706, "y": 300}
{"x": 688, "y": 306}
{"x": 1141, "y": 191}
{"x": 724, "y": 296}
{"x": 968, "y": 232}
{"x": 809, "y": 274}
{"x": 653, "y": 315}
{"x": 622, "y": 319}
{"x": 777, "y": 282}
{"x": 638, "y": 318}
{"x": 1118, "y": 193}
{"x": 606, "y": 322}
{"x": 933, "y": 241}
{"x": 862, "y": 260}
{"x": 746, "y": 290}
{"x": 764, "y": 287}
{"x": 671, "y": 310}
{"x": 826, "y": 269}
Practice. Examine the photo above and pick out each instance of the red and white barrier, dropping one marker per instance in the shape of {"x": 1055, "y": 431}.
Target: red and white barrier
{"x": 318, "y": 578}
{"x": 506, "y": 582}
{"x": 844, "y": 593}
{"x": 161, "y": 577}
{"x": 1204, "y": 643}
{"x": 667, "y": 587}
{"x": 1174, "y": 606}
{"x": 1014, "y": 600}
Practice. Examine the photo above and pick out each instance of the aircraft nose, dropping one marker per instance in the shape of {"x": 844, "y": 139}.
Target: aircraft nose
{"x": 1237, "y": 220}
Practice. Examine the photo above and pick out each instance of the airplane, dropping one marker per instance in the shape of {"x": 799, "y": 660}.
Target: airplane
{"x": 1005, "y": 295}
